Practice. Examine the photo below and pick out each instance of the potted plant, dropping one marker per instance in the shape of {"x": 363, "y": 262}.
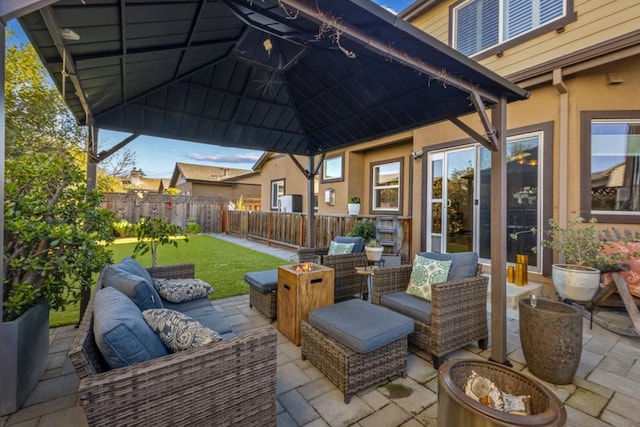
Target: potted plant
{"x": 579, "y": 241}
{"x": 373, "y": 249}
{"x": 364, "y": 229}
{"x": 354, "y": 206}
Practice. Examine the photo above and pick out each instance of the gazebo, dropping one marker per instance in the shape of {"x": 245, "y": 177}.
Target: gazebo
{"x": 290, "y": 76}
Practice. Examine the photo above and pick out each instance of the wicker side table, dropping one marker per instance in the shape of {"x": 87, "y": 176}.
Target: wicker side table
{"x": 551, "y": 338}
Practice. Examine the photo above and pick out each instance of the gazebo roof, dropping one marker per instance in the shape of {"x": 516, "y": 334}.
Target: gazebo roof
{"x": 288, "y": 76}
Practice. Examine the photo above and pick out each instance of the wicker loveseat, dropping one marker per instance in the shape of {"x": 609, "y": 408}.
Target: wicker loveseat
{"x": 347, "y": 280}
{"x": 456, "y": 315}
{"x": 229, "y": 382}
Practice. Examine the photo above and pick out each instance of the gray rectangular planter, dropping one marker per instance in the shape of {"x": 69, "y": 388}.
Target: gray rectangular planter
{"x": 24, "y": 348}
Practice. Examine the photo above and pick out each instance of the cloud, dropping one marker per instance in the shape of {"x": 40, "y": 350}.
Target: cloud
{"x": 225, "y": 158}
{"x": 390, "y": 9}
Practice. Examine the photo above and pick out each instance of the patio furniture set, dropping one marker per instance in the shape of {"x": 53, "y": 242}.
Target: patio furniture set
{"x": 152, "y": 336}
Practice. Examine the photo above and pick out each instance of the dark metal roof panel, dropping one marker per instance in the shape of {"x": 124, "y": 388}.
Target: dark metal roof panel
{"x": 255, "y": 74}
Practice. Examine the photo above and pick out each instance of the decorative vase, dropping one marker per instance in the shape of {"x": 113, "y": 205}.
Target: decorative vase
{"x": 353, "y": 208}
{"x": 575, "y": 282}
{"x": 551, "y": 338}
{"x": 373, "y": 253}
{"x": 24, "y": 348}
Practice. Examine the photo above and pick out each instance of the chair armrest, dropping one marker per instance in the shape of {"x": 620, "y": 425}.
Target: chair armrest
{"x": 310, "y": 254}
{"x": 461, "y": 295}
{"x": 212, "y": 382}
{"x": 390, "y": 279}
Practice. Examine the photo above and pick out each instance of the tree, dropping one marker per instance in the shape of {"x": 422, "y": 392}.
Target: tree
{"x": 55, "y": 231}
{"x": 152, "y": 232}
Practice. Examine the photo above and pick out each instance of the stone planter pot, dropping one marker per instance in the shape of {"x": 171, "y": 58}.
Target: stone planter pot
{"x": 353, "y": 208}
{"x": 551, "y": 338}
{"x": 24, "y": 348}
{"x": 576, "y": 282}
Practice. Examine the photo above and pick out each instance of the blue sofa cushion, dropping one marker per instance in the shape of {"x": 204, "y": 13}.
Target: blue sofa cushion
{"x": 184, "y": 307}
{"x": 358, "y": 243}
{"x": 177, "y": 331}
{"x": 133, "y": 266}
{"x": 209, "y": 317}
{"x": 182, "y": 290}
{"x": 121, "y": 334}
{"x": 463, "y": 264}
{"x": 361, "y": 326}
{"x": 133, "y": 286}
{"x": 263, "y": 281}
{"x": 414, "y": 307}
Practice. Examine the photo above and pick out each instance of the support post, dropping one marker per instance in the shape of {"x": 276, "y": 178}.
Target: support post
{"x": 563, "y": 138}
{"x": 92, "y": 181}
{"x": 311, "y": 215}
{"x": 499, "y": 237}
{"x": 2, "y": 158}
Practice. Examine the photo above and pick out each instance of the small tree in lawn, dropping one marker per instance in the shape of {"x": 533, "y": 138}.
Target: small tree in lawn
{"x": 152, "y": 232}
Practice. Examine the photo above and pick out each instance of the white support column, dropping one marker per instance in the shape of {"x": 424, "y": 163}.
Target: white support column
{"x": 499, "y": 237}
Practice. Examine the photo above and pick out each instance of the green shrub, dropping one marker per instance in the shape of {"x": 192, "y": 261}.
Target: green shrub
{"x": 365, "y": 229}
{"x": 122, "y": 228}
{"x": 192, "y": 227}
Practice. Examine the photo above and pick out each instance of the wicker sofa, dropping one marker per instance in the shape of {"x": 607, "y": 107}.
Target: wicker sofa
{"x": 229, "y": 382}
{"x": 455, "y": 317}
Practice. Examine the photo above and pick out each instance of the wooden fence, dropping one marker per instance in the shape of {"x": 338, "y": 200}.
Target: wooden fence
{"x": 272, "y": 228}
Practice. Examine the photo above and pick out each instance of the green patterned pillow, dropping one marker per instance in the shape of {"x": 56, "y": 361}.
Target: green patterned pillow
{"x": 426, "y": 272}
{"x": 340, "y": 248}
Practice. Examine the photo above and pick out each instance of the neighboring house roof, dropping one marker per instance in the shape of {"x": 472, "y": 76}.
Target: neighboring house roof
{"x": 204, "y": 173}
{"x": 266, "y": 156}
{"x": 141, "y": 184}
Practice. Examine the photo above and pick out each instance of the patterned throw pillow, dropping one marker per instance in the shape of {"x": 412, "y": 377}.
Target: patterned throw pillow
{"x": 340, "y": 248}
{"x": 182, "y": 290}
{"x": 426, "y": 272}
{"x": 177, "y": 331}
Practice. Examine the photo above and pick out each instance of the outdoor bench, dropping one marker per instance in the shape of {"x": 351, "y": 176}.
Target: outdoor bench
{"x": 227, "y": 382}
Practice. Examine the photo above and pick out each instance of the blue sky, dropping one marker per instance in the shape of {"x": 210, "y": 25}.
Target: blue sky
{"x": 157, "y": 156}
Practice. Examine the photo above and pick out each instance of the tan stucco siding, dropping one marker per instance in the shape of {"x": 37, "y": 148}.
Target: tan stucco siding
{"x": 597, "y": 21}
{"x": 282, "y": 167}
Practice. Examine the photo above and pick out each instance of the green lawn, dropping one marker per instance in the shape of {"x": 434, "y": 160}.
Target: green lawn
{"x": 219, "y": 263}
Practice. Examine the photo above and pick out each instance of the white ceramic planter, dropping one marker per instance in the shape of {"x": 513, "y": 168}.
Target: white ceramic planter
{"x": 575, "y": 282}
{"x": 373, "y": 254}
{"x": 353, "y": 208}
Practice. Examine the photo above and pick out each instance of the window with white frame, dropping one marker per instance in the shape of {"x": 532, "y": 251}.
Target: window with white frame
{"x": 277, "y": 190}
{"x": 386, "y": 188}
{"x": 479, "y": 25}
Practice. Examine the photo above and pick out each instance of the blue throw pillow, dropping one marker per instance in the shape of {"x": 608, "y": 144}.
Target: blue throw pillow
{"x": 133, "y": 286}
{"x": 121, "y": 334}
{"x": 463, "y": 264}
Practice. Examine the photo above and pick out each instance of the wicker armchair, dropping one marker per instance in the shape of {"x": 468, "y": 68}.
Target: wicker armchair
{"x": 458, "y": 311}
{"x": 347, "y": 280}
{"x": 231, "y": 382}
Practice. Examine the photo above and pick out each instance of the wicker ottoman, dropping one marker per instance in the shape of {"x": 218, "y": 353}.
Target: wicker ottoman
{"x": 356, "y": 344}
{"x": 263, "y": 286}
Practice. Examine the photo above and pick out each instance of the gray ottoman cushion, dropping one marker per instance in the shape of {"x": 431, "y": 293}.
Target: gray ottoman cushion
{"x": 409, "y": 305}
{"x": 361, "y": 326}
{"x": 463, "y": 264}
{"x": 263, "y": 281}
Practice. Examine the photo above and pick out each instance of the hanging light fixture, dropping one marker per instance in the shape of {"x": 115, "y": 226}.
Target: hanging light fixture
{"x": 69, "y": 34}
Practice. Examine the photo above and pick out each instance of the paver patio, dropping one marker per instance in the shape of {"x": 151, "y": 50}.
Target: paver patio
{"x": 605, "y": 391}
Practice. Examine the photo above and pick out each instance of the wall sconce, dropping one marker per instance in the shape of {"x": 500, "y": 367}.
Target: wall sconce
{"x": 139, "y": 197}
{"x": 416, "y": 154}
{"x": 330, "y": 197}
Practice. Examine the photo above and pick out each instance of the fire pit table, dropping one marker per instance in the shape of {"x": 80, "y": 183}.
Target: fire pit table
{"x": 301, "y": 289}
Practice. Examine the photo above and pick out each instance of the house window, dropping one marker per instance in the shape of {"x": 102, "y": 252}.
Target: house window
{"x": 479, "y": 25}
{"x": 277, "y": 190}
{"x": 611, "y": 181}
{"x": 385, "y": 189}
{"x": 333, "y": 168}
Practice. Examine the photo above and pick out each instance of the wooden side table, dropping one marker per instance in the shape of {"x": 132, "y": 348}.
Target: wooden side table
{"x": 300, "y": 292}
{"x": 366, "y": 279}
